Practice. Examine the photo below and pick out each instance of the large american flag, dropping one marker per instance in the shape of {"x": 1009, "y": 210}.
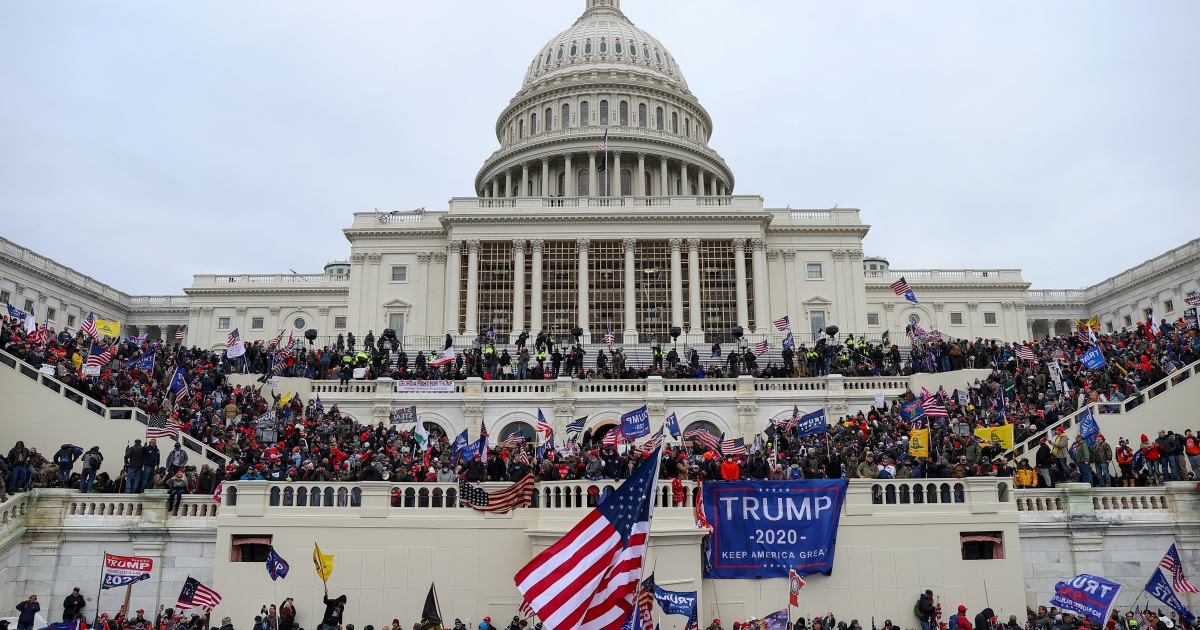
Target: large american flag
{"x": 645, "y": 603}
{"x": 517, "y": 495}
{"x": 735, "y": 447}
{"x": 197, "y": 595}
{"x": 275, "y": 342}
{"x": 233, "y": 339}
{"x": 180, "y": 332}
{"x": 1024, "y": 353}
{"x": 901, "y": 286}
{"x": 610, "y": 337}
{"x": 783, "y": 324}
{"x": 102, "y": 359}
{"x": 88, "y": 327}
{"x": 652, "y": 444}
{"x": 1171, "y": 563}
{"x": 705, "y": 438}
{"x": 933, "y": 408}
{"x": 613, "y": 437}
{"x": 790, "y": 423}
{"x": 587, "y": 580}
{"x": 543, "y": 427}
{"x": 514, "y": 440}
{"x": 761, "y": 348}
{"x": 159, "y": 427}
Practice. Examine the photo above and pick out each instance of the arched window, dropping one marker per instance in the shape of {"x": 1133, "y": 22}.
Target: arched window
{"x": 945, "y": 493}
{"x": 301, "y": 496}
{"x": 704, "y": 426}
{"x": 520, "y": 129}
{"x": 626, "y": 182}
{"x": 583, "y": 183}
{"x": 624, "y": 114}
{"x": 931, "y": 494}
{"x": 587, "y": 48}
{"x": 645, "y": 51}
{"x": 574, "y": 49}
{"x": 288, "y": 496}
{"x": 560, "y": 50}
{"x": 315, "y": 494}
{"x": 674, "y": 122}
{"x": 547, "y": 57}
{"x": 649, "y": 189}
{"x": 603, "y": 46}
{"x": 692, "y": 186}
{"x": 918, "y": 493}
{"x": 657, "y": 57}
{"x": 532, "y": 124}
{"x": 549, "y": 119}
{"x": 877, "y": 494}
{"x": 632, "y": 48}
{"x": 565, "y": 120}
{"x": 904, "y": 496}
{"x": 275, "y": 494}
{"x": 329, "y": 497}
{"x": 529, "y": 188}
{"x": 658, "y": 122}
{"x": 603, "y": 113}
{"x": 687, "y": 127}
{"x": 343, "y": 497}
{"x": 890, "y": 494}
{"x": 642, "y": 115}
{"x": 668, "y": 62}
{"x": 583, "y": 115}
{"x": 617, "y": 44}
{"x": 437, "y": 497}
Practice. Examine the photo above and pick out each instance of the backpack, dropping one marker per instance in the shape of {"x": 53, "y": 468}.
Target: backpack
{"x": 953, "y": 620}
{"x": 93, "y": 459}
{"x": 917, "y": 609}
{"x": 65, "y": 458}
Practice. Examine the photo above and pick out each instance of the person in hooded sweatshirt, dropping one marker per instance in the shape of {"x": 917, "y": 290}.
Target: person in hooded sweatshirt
{"x": 334, "y": 611}
{"x": 985, "y": 620}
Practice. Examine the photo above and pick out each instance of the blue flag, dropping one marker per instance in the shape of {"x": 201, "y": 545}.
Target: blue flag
{"x": 812, "y": 424}
{"x": 546, "y": 446}
{"x": 1089, "y": 595}
{"x": 276, "y": 565}
{"x": 178, "y": 380}
{"x": 16, "y": 312}
{"x": 789, "y": 341}
{"x": 635, "y": 424}
{"x": 887, "y": 338}
{"x": 461, "y": 444}
{"x": 1139, "y": 460}
{"x": 1088, "y": 427}
{"x": 1093, "y": 359}
{"x": 908, "y": 295}
{"x": 144, "y": 362}
{"x": 1160, "y": 588}
{"x": 673, "y": 425}
{"x": 911, "y": 410}
{"x": 320, "y": 405}
{"x": 63, "y": 625}
{"x": 675, "y": 602}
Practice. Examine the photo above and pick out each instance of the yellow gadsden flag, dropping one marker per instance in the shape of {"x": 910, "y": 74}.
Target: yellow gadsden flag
{"x": 1092, "y": 324}
{"x": 108, "y": 328}
{"x": 323, "y": 563}
{"x": 918, "y": 442}
{"x": 1001, "y": 436}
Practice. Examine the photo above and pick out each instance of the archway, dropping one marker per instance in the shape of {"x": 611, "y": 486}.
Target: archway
{"x": 524, "y": 429}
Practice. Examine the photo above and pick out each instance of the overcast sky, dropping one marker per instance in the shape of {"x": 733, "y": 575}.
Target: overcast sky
{"x": 144, "y": 142}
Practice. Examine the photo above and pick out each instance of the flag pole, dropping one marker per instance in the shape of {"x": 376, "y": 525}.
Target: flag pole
{"x": 96, "y": 617}
{"x": 438, "y": 603}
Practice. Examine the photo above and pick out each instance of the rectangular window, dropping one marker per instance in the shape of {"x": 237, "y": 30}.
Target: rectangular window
{"x": 4, "y": 296}
{"x": 50, "y": 314}
{"x": 814, "y": 271}
{"x": 989, "y": 318}
{"x": 1145, "y": 314}
{"x": 606, "y": 285}
{"x": 652, "y": 275}
{"x": 496, "y": 277}
{"x": 223, "y": 323}
{"x": 250, "y": 548}
{"x": 1169, "y": 306}
{"x": 560, "y": 287}
{"x": 71, "y": 321}
{"x": 1128, "y": 320}
{"x": 816, "y": 320}
{"x": 956, "y": 319}
{"x": 28, "y": 306}
{"x": 603, "y": 113}
{"x": 256, "y": 323}
{"x": 583, "y": 114}
{"x": 339, "y": 322}
{"x": 624, "y": 114}
{"x": 872, "y": 319}
{"x": 982, "y": 545}
{"x": 400, "y": 273}
{"x": 718, "y": 286}
{"x": 1108, "y": 326}
{"x": 396, "y": 323}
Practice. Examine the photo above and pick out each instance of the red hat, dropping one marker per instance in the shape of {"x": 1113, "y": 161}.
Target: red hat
{"x": 717, "y": 621}
{"x": 962, "y": 608}
{"x": 1042, "y": 441}
{"x": 1060, "y": 430}
{"x": 1144, "y": 438}
{"x": 1100, "y": 435}
{"x": 488, "y": 619}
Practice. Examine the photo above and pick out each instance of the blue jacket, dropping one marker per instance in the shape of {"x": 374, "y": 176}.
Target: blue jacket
{"x": 152, "y": 457}
{"x": 27, "y": 611}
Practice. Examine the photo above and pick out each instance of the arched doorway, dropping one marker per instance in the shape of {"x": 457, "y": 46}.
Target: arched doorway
{"x": 524, "y": 429}
{"x": 706, "y": 426}
{"x": 603, "y": 429}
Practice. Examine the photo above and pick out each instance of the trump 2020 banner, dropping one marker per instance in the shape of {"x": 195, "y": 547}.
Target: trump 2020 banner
{"x": 1089, "y": 595}
{"x": 123, "y": 570}
{"x": 763, "y": 529}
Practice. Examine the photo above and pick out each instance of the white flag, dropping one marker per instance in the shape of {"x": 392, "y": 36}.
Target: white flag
{"x": 421, "y": 434}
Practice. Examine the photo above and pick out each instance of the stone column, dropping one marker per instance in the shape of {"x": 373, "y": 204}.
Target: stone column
{"x": 569, "y": 177}
{"x": 508, "y": 187}
{"x": 739, "y": 275}
{"x": 524, "y": 180}
{"x": 419, "y": 318}
{"x": 453, "y": 264}
{"x": 472, "y": 288}
{"x": 703, "y": 193}
{"x": 639, "y": 184}
{"x": 759, "y": 260}
{"x": 662, "y": 176}
{"x": 792, "y": 281}
{"x": 676, "y": 284}
{"x": 1050, "y": 326}
{"x": 584, "y": 292}
{"x": 687, "y": 190}
{"x": 535, "y": 296}
{"x": 487, "y": 190}
{"x": 593, "y": 179}
{"x": 615, "y": 176}
{"x": 545, "y": 190}
{"x": 518, "y": 319}
{"x": 631, "y": 335}
{"x": 1029, "y": 330}
{"x": 694, "y": 284}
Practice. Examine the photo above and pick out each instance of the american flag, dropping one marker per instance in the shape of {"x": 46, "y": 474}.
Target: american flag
{"x": 761, "y": 348}
{"x": 783, "y": 324}
{"x": 652, "y": 444}
{"x": 521, "y": 458}
{"x": 610, "y": 337}
{"x": 180, "y": 332}
{"x": 88, "y": 327}
{"x": 645, "y": 603}
{"x": 705, "y": 438}
{"x": 701, "y": 521}
{"x": 1171, "y": 563}
{"x": 790, "y": 423}
{"x": 286, "y": 352}
{"x": 102, "y": 359}
{"x": 517, "y": 495}
{"x": 586, "y": 580}
{"x": 576, "y": 426}
{"x": 197, "y": 595}
{"x": 275, "y": 342}
{"x": 613, "y": 436}
{"x": 514, "y": 440}
{"x": 525, "y": 610}
{"x": 543, "y": 427}
{"x": 901, "y": 287}
{"x": 159, "y": 427}
{"x": 181, "y": 396}
{"x": 604, "y": 142}
{"x": 933, "y": 408}
{"x": 1024, "y": 353}
{"x": 1083, "y": 337}
{"x": 733, "y": 447}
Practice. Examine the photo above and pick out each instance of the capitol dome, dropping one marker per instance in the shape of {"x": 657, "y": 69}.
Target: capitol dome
{"x": 603, "y": 38}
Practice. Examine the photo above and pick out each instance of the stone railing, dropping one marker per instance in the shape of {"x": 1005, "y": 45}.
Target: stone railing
{"x": 12, "y": 514}
{"x": 919, "y": 276}
{"x": 268, "y": 278}
{"x": 1180, "y": 255}
{"x": 159, "y": 302}
{"x": 1056, "y": 296}
{"x": 65, "y": 508}
{"x": 1080, "y": 501}
{"x": 529, "y": 204}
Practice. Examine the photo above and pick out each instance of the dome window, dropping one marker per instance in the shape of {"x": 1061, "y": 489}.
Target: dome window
{"x": 604, "y": 113}
{"x": 560, "y": 51}
{"x": 539, "y": 66}
{"x": 658, "y": 114}
{"x": 574, "y": 49}
{"x": 632, "y": 48}
{"x": 584, "y": 121}
{"x": 624, "y": 114}
{"x": 587, "y": 48}
{"x": 668, "y": 62}
{"x": 642, "y": 115}
{"x": 565, "y": 120}
{"x": 646, "y": 52}
{"x": 603, "y": 46}
{"x": 658, "y": 57}
{"x": 617, "y": 46}
{"x": 547, "y": 57}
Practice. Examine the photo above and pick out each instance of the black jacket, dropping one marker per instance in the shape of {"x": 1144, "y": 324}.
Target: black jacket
{"x": 1043, "y": 458}
{"x": 72, "y": 606}
{"x": 134, "y": 456}
{"x": 334, "y": 609}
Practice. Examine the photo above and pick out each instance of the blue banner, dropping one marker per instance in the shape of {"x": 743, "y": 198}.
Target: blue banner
{"x": 673, "y": 425}
{"x": 812, "y": 424}
{"x": 635, "y": 424}
{"x": 1088, "y": 595}
{"x": 1160, "y": 588}
{"x": 911, "y": 410}
{"x": 277, "y": 567}
{"x": 1088, "y": 427}
{"x": 762, "y": 529}
{"x": 1093, "y": 359}
{"x": 144, "y": 362}
{"x": 178, "y": 380}
{"x": 675, "y": 602}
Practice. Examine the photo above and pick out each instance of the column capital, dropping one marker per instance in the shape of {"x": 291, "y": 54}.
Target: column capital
{"x": 1008, "y": 306}
{"x": 567, "y": 157}
{"x": 641, "y": 155}
{"x": 739, "y": 245}
{"x": 693, "y": 244}
{"x": 855, "y": 254}
{"x": 454, "y": 247}
{"x": 592, "y": 154}
{"x": 275, "y": 310}
{"x": 519, "y": 245}
{"x": 938, "y": 306}
{"x": 889, "y": 306}
{"x": 758, "y": 244}
{"x": 788, "y": 254}
{"x": 439, "y": 257}
{"x": 424, "y": 257}
{"x": 663, "y": 158}
{"x": 616, "y": 154}
{"x": 322, "y": 311}
{"x": 684, "y": 163}
{"x": 773, "y": 254}
{"x": 839, "y": 254}
{"x": 583, "y": 243}
{"x": 974, "y": 306}
{"x": 535, "y": 244}
{"x": 544, "y": 161}
{"x": 241, "y": 310}
{"x": 374, "y": 258}
{"x": 525, "y": 165}
{"x": 473, "y": 246}
{"x": 675, "y": 243}
{"x": 357, "y": 258}
{"x": 629, "y": 243}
